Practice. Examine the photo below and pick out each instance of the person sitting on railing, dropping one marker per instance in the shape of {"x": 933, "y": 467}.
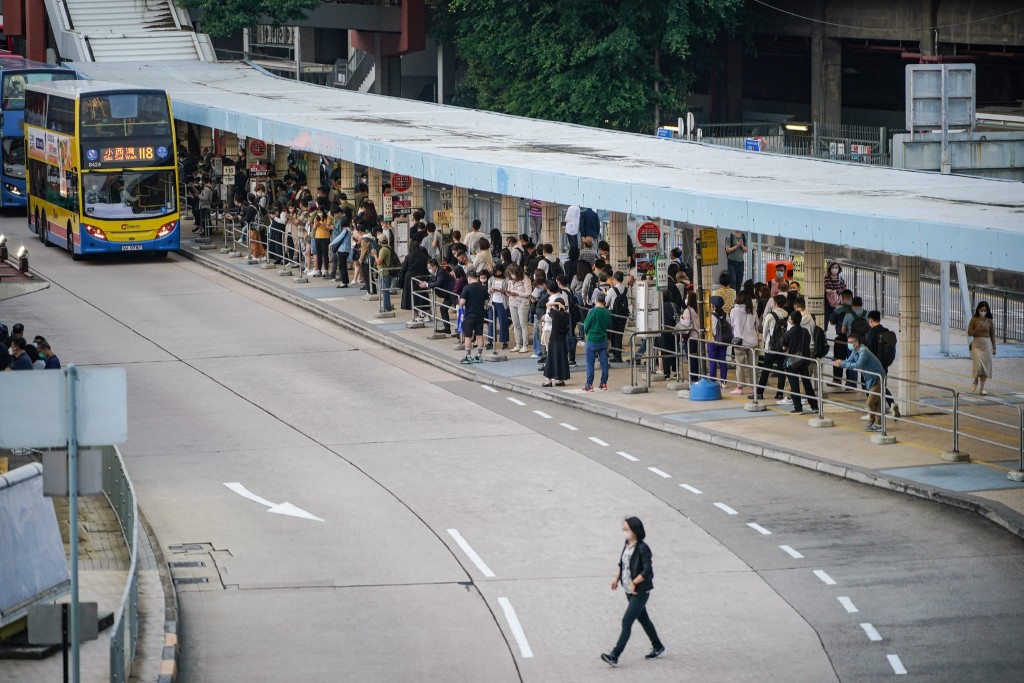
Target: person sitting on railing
{"x": 871, "y": 369}
{"x": 882, "y": 342}
{"x": 443, "y": 284}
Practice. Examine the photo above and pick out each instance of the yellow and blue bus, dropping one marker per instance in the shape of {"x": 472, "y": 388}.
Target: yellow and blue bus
{"x": 15, "y": 74}
{"x": 102, "y": 168}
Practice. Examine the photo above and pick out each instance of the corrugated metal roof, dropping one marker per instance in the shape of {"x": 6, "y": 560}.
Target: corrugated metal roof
{"x": 977, "y": 221}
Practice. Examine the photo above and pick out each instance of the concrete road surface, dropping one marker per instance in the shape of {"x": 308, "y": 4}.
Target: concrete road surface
{"x": 471, "y": 535}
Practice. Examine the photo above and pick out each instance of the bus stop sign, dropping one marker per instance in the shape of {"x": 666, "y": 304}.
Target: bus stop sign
{"x": 648, "y": 235}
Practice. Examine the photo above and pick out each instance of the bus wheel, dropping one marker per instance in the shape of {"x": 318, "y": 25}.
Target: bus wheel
{"x": 71, "y": 245}
{"x": 44, "y": 232}
{"x": 160, "y": 254}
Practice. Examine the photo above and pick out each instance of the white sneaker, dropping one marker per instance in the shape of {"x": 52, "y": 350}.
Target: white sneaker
{"x": 865, "y": 418}
{"x": 784, "y": 402}
{"x": 535, "y": 356}
{"x": 525, "y": 349}
{"x": 310, "y": 272}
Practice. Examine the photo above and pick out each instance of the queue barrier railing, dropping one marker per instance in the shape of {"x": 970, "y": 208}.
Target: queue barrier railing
{"x": 647, "y": 356}
{"x": 124, "y": 636}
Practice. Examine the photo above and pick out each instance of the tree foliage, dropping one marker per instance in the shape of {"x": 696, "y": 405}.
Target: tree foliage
{"x": 583, "y": 61}
{"x": 228, "y": 17}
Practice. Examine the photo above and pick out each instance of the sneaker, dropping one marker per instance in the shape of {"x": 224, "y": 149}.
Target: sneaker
{"x": 607, "y": 658}
{"x": 589, "y": 388}
{"x": 467, "y": 360}
{"x": 572, "y": 364}
{"x": 535, "y": 356}
{"x": 797, "y": 411}
{"x": 310, "y": 273}
{"x": 779, "y": 395}
{"x": 737, "y": 391}
{"x": 865, "y": 418}
{"x": 603, "y": 387}
{"x": 478, "y": 359}
{"x": 784, "y": 402}
{"x": 504, "y": 346}
{"x": 490, "y": 346}
{"x": 896, "y": 412}
{"x": 873, "y": 427}
{"x": 655, "y": 653}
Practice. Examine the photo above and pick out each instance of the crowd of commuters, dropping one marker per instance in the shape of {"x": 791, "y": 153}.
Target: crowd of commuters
{"x": 17, "y": 353}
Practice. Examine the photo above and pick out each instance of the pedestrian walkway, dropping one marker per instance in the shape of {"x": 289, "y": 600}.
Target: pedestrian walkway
{"x": 912, "y": 464}
{"x": 103, "y": 563}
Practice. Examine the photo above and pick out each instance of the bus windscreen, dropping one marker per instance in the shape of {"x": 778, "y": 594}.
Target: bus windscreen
{"x": 125, "y": 115}
{"x": 131, "y": 194}
{"x": 14, "y": 85}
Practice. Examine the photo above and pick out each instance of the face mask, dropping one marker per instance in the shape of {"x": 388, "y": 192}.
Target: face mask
{"x": 627, "y": 534}
{"x": 835, "y": 271}
{"x": 849, "y": 346}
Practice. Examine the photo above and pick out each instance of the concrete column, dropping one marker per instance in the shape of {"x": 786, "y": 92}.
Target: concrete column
{"x": 908, "y": 358}
{"x": 550, "y": 220}
{"x": 231, "y": 145}
{"x": 375, "y": 193}
{"x": 348, "y": 177}
{"x": 814, "y": 276}
{"x": 617, "y": 238}
{"x": 206, "y": 138}
{"x": 929, "y": 12}
{"x": 509, "y": 215}
{"x": 460, "y": 210}
{"x": 826, "y": 74}
{"x": 313, "y": 171}
{"x": 418, "y": 198}
{"x": 280, "y": 160}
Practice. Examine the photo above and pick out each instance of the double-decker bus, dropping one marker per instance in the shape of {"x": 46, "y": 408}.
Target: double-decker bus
{"x": 15, "y": 74}
{"x": 102, "y": 168}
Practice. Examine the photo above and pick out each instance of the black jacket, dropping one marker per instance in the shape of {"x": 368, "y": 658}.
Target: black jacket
{"x": 639, "y": 563}
{"x": 444, "y": 281}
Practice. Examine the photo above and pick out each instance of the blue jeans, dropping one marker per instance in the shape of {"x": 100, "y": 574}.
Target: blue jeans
{"x": 736, "y": 274}
{"x": 385, "y": 292}
{"x": 499, "y": 313}
{"x": 716, "y": 354}
{"x": 574, "y": 241}
{"x": 536, "y": 338}
{"x": 595, "y": 351}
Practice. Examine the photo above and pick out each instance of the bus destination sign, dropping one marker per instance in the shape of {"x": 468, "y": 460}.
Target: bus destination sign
{"x": 121, "y": 155}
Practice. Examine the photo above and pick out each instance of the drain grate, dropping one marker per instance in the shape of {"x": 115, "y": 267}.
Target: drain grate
{"x": 179, "y": 565}
{"x": 191, "y": 579}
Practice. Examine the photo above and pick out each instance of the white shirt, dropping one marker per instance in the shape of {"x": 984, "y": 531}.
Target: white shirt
{"x": 572, "y": 220}
{"x": 744, "y": 325}
{"x": 627, "y": 579}
{"x": 471, "y": 240}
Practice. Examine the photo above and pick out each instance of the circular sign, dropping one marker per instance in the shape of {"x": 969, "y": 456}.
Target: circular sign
{"x": 92, "y": 155}
{"x": 257, "y": 148}
{"x": 648, "y": 235}
{"x": 162, "y": 152}
{"x": 401, "y": 183}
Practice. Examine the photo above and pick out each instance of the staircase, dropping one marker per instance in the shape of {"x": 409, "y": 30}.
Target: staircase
{"x": 125, "y": 30}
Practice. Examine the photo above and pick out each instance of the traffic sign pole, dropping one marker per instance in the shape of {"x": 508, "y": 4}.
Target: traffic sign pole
{"x": 72, "y": 380}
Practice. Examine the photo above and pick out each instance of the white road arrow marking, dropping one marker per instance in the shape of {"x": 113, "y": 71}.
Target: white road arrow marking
{"x": 276, "y": 508}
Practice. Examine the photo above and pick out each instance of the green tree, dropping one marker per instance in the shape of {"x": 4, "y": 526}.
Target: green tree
{"x": 611, "y": 63}
{"x": 227, "y": 17}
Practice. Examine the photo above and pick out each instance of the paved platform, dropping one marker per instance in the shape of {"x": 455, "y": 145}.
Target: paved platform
{"x": 911, "y": 465}
{"x": 103, "y": 563}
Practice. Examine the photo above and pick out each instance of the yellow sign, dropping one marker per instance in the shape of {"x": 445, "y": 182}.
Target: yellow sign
{"x": 443, "y": 221}
{"x": 709, "y": 246}
{"x": 799, "y": 271}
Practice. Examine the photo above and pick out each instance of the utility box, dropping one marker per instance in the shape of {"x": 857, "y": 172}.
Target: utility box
{"x": 648, "y": 306}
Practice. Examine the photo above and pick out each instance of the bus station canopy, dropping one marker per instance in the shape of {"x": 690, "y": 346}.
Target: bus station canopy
{"x": 955, "y": 218}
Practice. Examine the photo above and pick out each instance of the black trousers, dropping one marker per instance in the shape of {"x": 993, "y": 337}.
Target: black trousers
{"x": 771, "y": 361}
{"x": 615, "y": 339}
{"x": 794, "y": 388}
{"x": 341, "y": 259}
{"x": 442, "y": 306}
{"x": 636, "y": 610}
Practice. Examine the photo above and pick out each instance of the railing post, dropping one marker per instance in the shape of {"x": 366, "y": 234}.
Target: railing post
{"x": 882, "y": 438}
{"x": 955, "y": 455}
{"x": 634, "y": 387}
{"x": 820, "y": 422}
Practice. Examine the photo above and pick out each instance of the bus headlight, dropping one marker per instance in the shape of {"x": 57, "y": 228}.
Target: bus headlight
{"x": 166, "y": 229}
{"x": 95, "y": 232}
{"x": 13, "y": 189}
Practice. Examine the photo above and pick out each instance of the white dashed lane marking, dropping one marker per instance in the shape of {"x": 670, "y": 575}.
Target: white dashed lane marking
{"x": 791, "y": 552}
{"x": 826, "y": 579}
{"x": 515, "y": 627}
{"x": 759, "y": 529}
{"x": 691, "y": 489}
{"x": 568, "y": 426}
{"x": 627, "y": 456}
{"x": 597, "y": 441}
{"x": 471, "y": 554}
{"x": 487, "y": 388}
{"x": 873, "y": 634}
{"x": 897, "y": 665}
{"x": 726, "y": 509}
{"x": 542, "y": 414}
{"x": 848, "y": 605}
{"x": 663, "y": 475}
{"x": 516, "y": 401}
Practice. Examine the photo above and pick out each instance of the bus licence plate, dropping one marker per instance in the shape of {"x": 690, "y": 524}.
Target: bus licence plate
{"x": 131, "y": 247}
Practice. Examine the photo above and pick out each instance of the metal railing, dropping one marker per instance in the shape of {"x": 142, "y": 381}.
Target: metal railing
{"x": 880, "y": 290}
{"x": 118, "y": 488}
{"x": 853, "y": 144}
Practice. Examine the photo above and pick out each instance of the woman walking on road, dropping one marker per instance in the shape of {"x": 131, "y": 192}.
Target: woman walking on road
{"x": 982, "y": 332}
{"x": 636, "y": 574}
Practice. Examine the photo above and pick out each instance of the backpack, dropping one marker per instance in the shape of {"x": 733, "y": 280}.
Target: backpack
{"x": 555, "y": 268}
{"x": 887, "y": 347}
{"x": 860, "y": 326}
{"x": 574, "y": 308}
{"x": 723, "y": 334}
{"x": 393, "y": 262}
{"x": 819, "y": 343}
{"x": 621, "y": 305}
{"x": 775, "y": 340}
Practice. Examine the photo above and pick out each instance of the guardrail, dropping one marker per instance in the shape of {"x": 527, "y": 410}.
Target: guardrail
{"x": 117, "y": 486}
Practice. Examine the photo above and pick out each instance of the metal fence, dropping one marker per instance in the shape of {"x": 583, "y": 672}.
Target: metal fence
{"x": 854, "y": 144}
{"x": 880, "y": 290}
{"x": 117, "y": 487}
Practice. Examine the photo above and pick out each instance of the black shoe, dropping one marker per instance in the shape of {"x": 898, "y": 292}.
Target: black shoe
{"x": 490, "y": 346}
{"x": 655, "y": 653}
{"x": 797, "y": 411}
{"x": 610, "y": 660}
